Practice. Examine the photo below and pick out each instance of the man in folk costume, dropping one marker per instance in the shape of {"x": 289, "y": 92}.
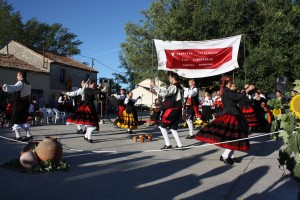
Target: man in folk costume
{"x": 192, "y": 103}
{"x": 172, "y": 107}
{"x": 86, "y": 114}
{"x": 21, "y": 103}
{"x": 230, "y": 125}
{"x": 79, "y": 92}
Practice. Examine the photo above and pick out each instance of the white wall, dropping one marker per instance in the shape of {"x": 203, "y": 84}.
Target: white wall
{"x": 147, "y": 97}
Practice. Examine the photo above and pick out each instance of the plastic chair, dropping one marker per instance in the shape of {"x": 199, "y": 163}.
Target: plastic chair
{"x": 48, "y": 113}
{"x": 59, "y": 116}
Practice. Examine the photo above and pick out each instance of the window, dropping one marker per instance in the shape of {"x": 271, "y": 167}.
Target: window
{"x": 62, "y": 75}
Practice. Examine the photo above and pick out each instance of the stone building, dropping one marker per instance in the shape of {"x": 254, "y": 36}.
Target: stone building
{"x": 52, "y": 74}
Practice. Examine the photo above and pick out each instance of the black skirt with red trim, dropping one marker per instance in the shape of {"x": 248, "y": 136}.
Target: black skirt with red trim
{"x": 226, "y": 128}
{"x": 250, "y": 116}
{"x": 171, "y": 118}
{"x": 84, "y": 116}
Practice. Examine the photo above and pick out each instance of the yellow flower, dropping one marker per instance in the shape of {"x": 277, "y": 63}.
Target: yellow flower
{"x": 276, "y": 112}
{"x": 295, "y": 105}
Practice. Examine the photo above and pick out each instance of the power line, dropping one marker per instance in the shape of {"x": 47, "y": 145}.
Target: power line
{"x": 93, "y": 59}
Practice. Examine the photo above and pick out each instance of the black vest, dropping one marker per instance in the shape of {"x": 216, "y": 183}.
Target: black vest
{"x": 120, "y": 102}
{"x": 170, "y": 101}
{"x": 130, "y": 103}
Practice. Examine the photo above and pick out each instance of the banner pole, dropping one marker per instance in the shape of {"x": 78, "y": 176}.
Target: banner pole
{"x": 245, "y": 68}
{"x": 152, "y": 78}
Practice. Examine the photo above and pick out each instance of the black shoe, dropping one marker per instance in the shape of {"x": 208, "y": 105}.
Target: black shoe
{"x": 166, "y": 147}
{"x": 227, "y": 161}
{"x": 86, "y": 139}
{"x": 79, "y": 131}
{"x": 179, "y": 148}
{"x": 28, "y": 138}
{"x": 235, "y": 160}
{"x": 17, "y": 139}
{"x": 90, "y": 141}
{"x": 130, "y": 132}
{"x": 83, "y": 132}
{"x": 190, "y": 137}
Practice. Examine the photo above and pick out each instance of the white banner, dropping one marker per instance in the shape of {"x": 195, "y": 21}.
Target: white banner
{"x": 196, "y": 59}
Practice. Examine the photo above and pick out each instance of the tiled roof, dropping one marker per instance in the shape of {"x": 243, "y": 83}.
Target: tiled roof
{"x": 10, "y": 61}
{"x": 61, "y": 59}
{"x": 65, "y": 60}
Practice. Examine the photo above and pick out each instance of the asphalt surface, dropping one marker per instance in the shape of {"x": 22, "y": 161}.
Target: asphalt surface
{"x": 115, "y": 167}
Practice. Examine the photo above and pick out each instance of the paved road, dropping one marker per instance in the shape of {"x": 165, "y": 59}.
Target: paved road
{"x": 133, "y": 172}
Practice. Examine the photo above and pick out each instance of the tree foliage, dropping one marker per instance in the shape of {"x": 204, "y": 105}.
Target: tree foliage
{"x": 55, "y": 37}
{"x": 268, "y": 48}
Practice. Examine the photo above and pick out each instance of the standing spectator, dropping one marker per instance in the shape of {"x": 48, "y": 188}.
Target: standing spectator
{"x": 206, "y": 107}
{"x": 259, "y": 102}
{"x": 155, "y": 111}
{"x": 8, "y": 113}
{"x": 217, "y": 103}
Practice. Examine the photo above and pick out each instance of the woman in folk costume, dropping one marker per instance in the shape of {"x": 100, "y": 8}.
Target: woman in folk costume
{"x": 79, "y": 92}
{"x": 86, "y": 114}
{"x": 120, "y": 102}
{"x": 130, "y": 118}
{"x": 230, "y": 125}
{"x": 21, "y": 103}
{"x": 247, "y": 109}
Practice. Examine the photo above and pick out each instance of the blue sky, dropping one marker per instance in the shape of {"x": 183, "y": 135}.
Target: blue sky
{"x": 99, "y": 24}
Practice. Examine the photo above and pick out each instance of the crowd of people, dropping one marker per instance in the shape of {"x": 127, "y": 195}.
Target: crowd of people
{"x": 230, "y": 115}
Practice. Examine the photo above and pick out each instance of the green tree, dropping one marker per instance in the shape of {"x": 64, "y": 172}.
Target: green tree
{"x": 11, "y": 27}
{"x": 55, "y": 37}
{"x": 270, "y": 35}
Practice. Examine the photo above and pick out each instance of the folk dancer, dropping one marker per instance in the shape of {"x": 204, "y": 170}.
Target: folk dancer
{"x": 230, "y": 125}
{"x": 129, "y": 115}
{"x": 79, "y": 92}
{"x": 192, "y": 104}
{"x": 86, "y": 114}
{"x": 21, "y": 103}
{"x": 172, "y": 109}
{"x": 120, "y": 102}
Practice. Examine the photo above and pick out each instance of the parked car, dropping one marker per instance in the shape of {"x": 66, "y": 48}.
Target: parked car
{"x": 141, "y": 107}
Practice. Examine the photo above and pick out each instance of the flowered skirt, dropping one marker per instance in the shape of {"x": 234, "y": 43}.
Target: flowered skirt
{"x": 226, "y": 128}
{"x": 128, "y": 119}
{"x": 250, "y": 116}
{"x": 84, "y": 116}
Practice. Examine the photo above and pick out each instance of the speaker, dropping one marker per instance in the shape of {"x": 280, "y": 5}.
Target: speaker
{"x": 281, "y": 84}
